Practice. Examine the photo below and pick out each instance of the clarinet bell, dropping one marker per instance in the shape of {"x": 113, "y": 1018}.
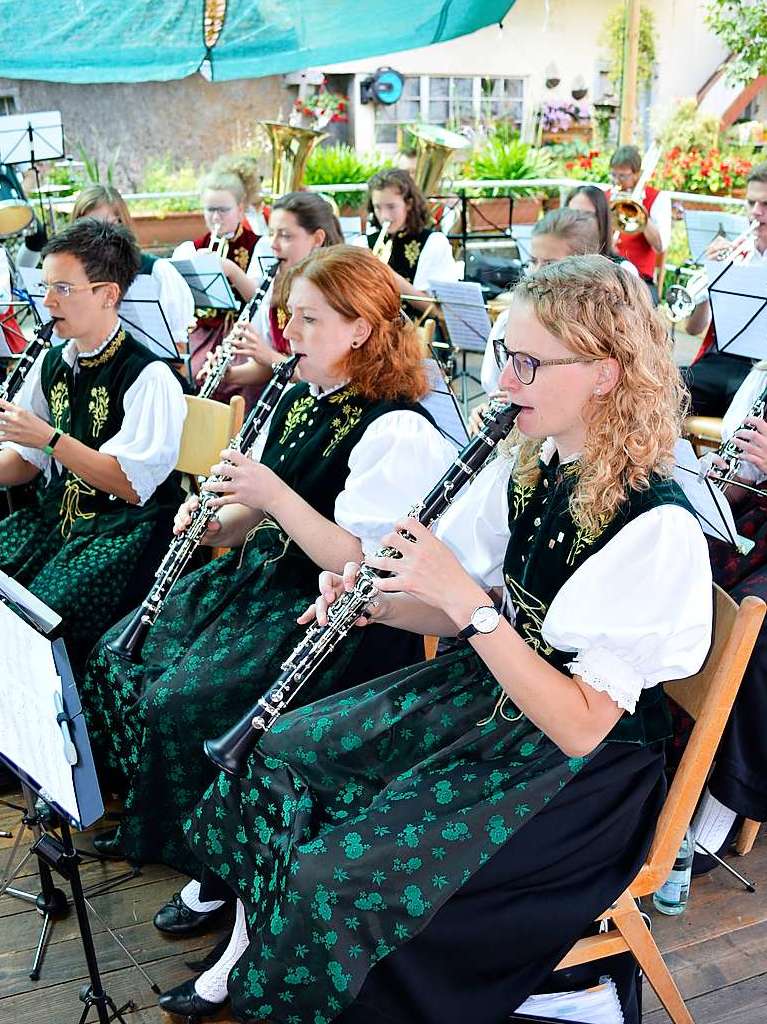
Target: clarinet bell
{"x": 231, "y": 751}
{"x": 129, "y": 643}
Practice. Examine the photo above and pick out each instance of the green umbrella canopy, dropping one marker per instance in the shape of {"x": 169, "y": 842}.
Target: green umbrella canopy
{"x": 81, "y": 41}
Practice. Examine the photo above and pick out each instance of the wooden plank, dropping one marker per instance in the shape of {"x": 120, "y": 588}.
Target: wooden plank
{"x": 744, "y": 1003}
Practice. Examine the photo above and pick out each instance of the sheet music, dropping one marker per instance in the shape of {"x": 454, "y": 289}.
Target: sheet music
{"x": 597, "y": 1005}
{"x": 464, "y": 307}
{"x": 30, "y": 736}
{"x": 441, "y": 403}
{"x": 210, "y": 288}
{"x": 738, "y": 297}
{"x": 703, "y": 226}
{"x": 44, "y": 616}
{"x": 709, "y": 501}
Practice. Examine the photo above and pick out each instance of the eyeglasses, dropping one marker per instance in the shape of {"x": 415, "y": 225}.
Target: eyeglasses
{"x": 223, "y": 210}
{"x": 63, "y": 289}
{"x": 525, "y": 365}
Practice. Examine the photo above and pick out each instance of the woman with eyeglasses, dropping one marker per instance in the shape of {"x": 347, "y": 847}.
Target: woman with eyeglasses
{"x": 559, "y": 234}
{"x": 225, "y": 192}
{"x": 104, "y": 202}
{"x": 97, "y": 425}
{"x": 428, "y": 845}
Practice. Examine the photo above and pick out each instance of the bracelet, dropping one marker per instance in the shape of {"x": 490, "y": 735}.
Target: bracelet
{"x": 48, "y": 448}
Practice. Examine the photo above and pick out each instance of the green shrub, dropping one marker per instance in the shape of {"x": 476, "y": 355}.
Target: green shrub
{"x": 687, "y": 128}
{"x": 499, "y": 161}
{"x": 162, "y": 175}
{"x": 339, "y": 165}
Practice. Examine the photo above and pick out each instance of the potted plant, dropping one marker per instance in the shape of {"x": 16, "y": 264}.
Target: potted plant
{"x": 340, "y": 164}
{"x": 164, "y": 222}
{"x": 563, "y": 120}
{"x": 709, "y": 172}
{"x": 500, "y": 160}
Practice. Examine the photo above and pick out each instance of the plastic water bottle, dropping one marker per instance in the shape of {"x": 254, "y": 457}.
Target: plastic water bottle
{"x": 672, "y": 896}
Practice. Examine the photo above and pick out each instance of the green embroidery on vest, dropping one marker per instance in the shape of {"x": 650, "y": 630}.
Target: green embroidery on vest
{"x": 412, "y": 252}
{"x": 70, "y": 510}
{"x": 98, "y": 407}
{"x": 59, "y": 404}
{"x": 298, "y": 414}
{"x": 341, "y": 425}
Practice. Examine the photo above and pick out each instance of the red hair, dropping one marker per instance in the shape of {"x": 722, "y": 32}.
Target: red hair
{"x": 356, "y": 284}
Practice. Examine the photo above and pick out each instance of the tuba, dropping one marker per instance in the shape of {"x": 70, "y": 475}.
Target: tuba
{"x": 627, "y": 207}
{"x": 290, "y": 151}
{"x": 434, "y": 147}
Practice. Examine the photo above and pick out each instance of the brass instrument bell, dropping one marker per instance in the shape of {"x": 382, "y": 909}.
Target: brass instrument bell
{"x": 290, "y": 151}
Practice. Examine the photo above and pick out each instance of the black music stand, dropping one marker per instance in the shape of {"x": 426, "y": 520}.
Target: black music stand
{"x": 30, "y": 138}
{"x": 738, "y": 296}
{"x": 44, "y": 741}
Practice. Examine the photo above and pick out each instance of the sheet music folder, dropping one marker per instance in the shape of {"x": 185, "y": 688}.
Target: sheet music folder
{"x": 738, "y": 296}
{"x": 37, "y": 747}
{"x": 207, "y": 281}
{"x": 703, "y": 226}
{"x": 463, "y": 305}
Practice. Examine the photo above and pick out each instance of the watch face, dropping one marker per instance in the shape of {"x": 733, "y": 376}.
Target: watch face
{"x": 485, "y": 619}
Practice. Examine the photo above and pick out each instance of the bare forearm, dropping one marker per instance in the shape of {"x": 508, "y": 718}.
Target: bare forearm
{"x": 699, "y": 319}
{"x": 98, "y": 469}
{"x": 245, "y": 285}
{"x": 14, "y": 470}
{"x": 403, "y": 611}
{"x": 652, "y": 235}
{"x": 328, "y": 545}
{"x": 236, "y": 522}
{"x": 250, "y": 372}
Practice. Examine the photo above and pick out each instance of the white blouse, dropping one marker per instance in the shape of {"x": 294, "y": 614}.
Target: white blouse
{"x": 395, "y": 463}
{"x": 175, "y": 298}
{"x": 147, "y": 444}
{"x": 636, "y": 613}
{"x": 740, "y": 407}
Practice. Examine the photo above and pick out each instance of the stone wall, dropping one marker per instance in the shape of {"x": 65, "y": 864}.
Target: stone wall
{"x": 191, "y": 120}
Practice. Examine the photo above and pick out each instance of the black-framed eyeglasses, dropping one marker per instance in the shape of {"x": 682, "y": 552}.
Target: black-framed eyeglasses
{"x": 525, "y": 365}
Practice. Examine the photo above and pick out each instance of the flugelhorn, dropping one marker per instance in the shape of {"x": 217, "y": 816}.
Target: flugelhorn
{"x": 627, "y": 207}
{"x": 230, "y": 752}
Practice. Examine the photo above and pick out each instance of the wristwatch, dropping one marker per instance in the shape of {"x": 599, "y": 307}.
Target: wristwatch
{"x": 483, "y": 620}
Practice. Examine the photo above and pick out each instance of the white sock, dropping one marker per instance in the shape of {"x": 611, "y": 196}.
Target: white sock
{"x": 712, "y": 822}
{"x": 211, "y": 984}
{"x": 190, "y": 895}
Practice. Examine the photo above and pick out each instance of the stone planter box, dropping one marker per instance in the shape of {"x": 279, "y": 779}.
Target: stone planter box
{"x": 160, "y": 230}
{"x": 578, "y": 132}
{"x": 493, "y": 214}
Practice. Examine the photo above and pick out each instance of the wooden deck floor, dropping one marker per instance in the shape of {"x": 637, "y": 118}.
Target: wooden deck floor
{"x": 717, "y": 949}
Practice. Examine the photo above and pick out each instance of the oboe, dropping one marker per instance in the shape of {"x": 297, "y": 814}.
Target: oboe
{"x": 225, "y": 353}
{"x": 42, "y": 339}
{"x": 231, "y": 751}
{"x": 129, "y": 643}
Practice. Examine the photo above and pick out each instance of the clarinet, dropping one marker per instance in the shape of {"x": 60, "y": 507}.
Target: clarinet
{"x": 230, "y": 752}
{"x": 42, "y": 339}
{"x": 225, "y": 353}
{"x": 129, "y": 643}
{"x": 729, "y": 450}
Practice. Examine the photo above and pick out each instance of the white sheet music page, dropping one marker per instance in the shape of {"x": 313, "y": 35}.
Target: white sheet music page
{"x": 45, "y": 617}
{"x": 708, "y": 501}
{"x": 29, "y": 733}
{"x": 464, "y": 307}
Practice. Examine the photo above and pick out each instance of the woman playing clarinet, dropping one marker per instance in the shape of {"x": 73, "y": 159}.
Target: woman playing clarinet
{"x": 346, "y": 447}
{"x": 428, "y": 845}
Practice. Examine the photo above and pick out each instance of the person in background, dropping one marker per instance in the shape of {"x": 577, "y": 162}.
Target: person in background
{"x": 105, "y": 203}
{"x": 592, "y": 199}
{"x": 643, "y": 247}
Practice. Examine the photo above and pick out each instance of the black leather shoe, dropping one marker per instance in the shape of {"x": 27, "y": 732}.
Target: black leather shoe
{"x": 184, "y": 1001}
{"x": 176, "y": 918}
{"x": 107, "y": 844}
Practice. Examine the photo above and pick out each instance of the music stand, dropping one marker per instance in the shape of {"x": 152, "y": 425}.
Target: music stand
{"x": 738, "y": 296}
{"x": 442, "y": 404}
{"x": 207, "y": 281}
{"x": 468, "y": 326}
{"x": 140, "y": 311}
{"x": 29, "y": 138}
{"x": 703, "y": 226}
{"x": 708, "y": 501}
{"x": 44, "y": 742}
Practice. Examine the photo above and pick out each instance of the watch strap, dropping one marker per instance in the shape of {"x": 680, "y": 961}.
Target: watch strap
{"x": 48, "y": 448}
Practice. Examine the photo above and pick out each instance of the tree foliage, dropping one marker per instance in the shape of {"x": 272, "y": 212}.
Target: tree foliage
{"x": 742, "y": 27}
{"x": 612, "y": 39}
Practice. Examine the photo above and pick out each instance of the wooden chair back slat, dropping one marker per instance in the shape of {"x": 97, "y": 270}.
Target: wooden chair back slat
{"x": 209, "y": 426}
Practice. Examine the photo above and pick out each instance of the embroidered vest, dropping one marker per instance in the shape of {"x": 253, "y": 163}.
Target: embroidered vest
{"x": 405, "y": 251}
{"x": 636, "y": 247}
{"x": 88, "y": 405}
{"x": 545, "y": 549}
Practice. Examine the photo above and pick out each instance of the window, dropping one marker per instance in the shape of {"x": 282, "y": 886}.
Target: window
{"x": 451, "y": 101}
{"x": 7, "y": 105}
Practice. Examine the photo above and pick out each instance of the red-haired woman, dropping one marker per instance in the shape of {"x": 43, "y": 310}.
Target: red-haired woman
{"x": 348, "y": 448}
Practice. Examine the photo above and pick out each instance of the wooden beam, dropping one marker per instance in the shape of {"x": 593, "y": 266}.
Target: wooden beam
{"x": 630, "y": 72}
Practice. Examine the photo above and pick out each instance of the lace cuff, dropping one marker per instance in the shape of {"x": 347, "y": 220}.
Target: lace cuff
{"x": 608, "y": 673}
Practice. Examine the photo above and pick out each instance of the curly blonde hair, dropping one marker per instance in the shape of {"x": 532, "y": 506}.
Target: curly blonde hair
{"x": 236, "y": 174}
{"x": 597, "y": 309}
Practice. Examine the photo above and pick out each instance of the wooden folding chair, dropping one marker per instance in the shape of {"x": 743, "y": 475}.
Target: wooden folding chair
{"x": 209, "y": 426}
{"x": 704, "y": 432}
{"x": 708, "y": 698}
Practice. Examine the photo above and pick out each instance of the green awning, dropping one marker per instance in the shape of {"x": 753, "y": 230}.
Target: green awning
{"x": 155, "y": 40}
